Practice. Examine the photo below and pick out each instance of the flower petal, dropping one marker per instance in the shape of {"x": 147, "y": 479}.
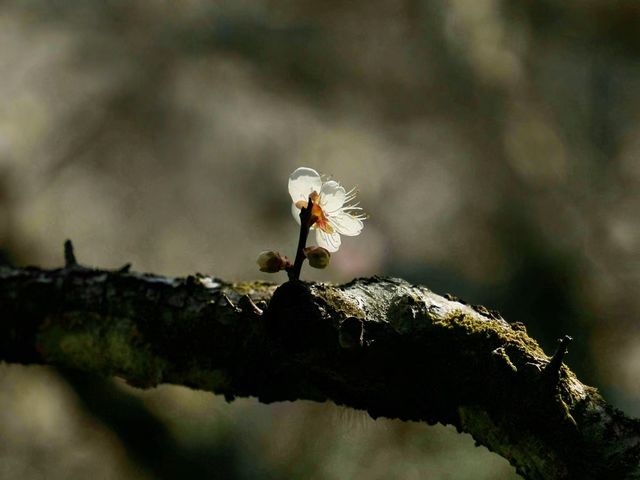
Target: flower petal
{"x": 332, "y": 196}
{"x": 330, "y": 241}
{"x": 295, "y": 211}
{"x": 302, "y": 182}
{"x": 346, "y": 224}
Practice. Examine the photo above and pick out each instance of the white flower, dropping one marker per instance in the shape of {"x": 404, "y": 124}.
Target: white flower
{"x": 333, "y": 217}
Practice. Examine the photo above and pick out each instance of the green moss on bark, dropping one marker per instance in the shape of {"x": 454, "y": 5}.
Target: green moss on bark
{"x": 107, "y": 346}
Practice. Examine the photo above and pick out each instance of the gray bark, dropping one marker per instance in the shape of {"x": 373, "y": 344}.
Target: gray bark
{"x": 377, "y": 344}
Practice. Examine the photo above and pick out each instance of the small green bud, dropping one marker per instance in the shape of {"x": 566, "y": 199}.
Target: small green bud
{"x": 318, "y": 257}
{"x": 272, "y": 262}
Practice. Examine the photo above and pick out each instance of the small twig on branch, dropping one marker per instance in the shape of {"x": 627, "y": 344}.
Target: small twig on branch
{"x": 553, "y": 367}
{"x": 69, "y": 256}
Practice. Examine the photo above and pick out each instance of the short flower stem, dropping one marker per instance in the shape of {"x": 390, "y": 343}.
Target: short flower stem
{"x": 305, "y": 225}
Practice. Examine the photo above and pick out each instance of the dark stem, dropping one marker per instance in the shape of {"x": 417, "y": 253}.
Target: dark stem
{"x": 69, "y": 257}
{"x": 305, "y": 225}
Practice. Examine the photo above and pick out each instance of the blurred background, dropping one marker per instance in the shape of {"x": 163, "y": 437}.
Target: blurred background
{"x": 495, "y": 146}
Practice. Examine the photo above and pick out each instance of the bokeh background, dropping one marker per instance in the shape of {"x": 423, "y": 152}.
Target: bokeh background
{"x": 495, "y": 145}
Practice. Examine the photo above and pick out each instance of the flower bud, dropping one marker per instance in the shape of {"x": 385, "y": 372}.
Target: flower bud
{"x": 318, "y": 257}
{"x": 272, "y": 262}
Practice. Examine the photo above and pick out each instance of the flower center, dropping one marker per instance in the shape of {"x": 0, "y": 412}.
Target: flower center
{"x": 318, "y": 217}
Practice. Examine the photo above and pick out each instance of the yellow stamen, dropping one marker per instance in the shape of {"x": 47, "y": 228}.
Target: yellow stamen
{"x": 318, "y": 218}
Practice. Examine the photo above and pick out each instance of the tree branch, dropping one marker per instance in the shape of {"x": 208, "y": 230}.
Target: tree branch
{"x": 379, "y": 344}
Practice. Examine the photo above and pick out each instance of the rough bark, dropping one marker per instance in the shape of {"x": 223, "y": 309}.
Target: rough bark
{"x": 378, "y": 344}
